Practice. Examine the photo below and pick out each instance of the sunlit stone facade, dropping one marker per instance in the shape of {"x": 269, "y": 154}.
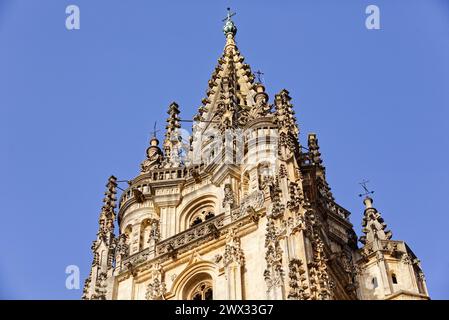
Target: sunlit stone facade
{"x": 241, "y": 211}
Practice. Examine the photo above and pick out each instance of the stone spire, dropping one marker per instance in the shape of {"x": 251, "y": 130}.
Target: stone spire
{"x": 230, "y": 92}
{"x": 107, "y": 215}
{"x": 314, "y": 156}
{"x": 373, "y": 224}
{"x": 285, "y": 115}
{"x": 287, "y": 125}
{"x": 314, "y": 149}
{"x": 172, "y": 142}
{"x": 392, "y": 269}
{"x": 103, "y": 247}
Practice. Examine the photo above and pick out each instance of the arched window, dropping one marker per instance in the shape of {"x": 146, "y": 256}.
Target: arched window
{"x": 196, "y": 221}
{"x": 128, "y": 231}
{"x": 374, "y": 282}
{"x": 202, "y": 215}
{"x": 202, "y": 291}
{"x": 209, "y": 215}
{"x": 145, "y": 228}
{"x": 245, "y": 184}
{"x": 394, "y": 279}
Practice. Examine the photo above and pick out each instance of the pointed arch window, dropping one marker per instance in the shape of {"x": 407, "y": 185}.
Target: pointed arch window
{"x": 209, "y": 215}
{"x": 202, "y": 215}
{"x": 196, "y": 221}
{"x": 202, "y": 291}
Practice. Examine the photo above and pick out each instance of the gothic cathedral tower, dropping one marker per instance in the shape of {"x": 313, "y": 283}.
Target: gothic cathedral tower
{"x": 241, "y": 211}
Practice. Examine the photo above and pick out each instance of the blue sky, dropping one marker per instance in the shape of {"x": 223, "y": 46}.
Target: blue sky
{"x": 78, "y": 106}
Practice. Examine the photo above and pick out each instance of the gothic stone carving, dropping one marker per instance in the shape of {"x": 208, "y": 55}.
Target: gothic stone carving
{"x": 296, "y": 196}
{"x": 274, "y": 271}
{"x": 156, "y": 287}
{"x": 249, "y": 205}
{"x": 233, "y": 253}
{"x": 100, "y": 287}
{"x": 229, "y": 197}
{"x": 298, "y": 284}
{"x": 122, "y": 247}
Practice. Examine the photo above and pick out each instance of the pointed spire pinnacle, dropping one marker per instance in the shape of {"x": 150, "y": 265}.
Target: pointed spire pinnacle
{"x": 103, "y": 246}
{"x": 314, "y": 149}
{"x": 110, "y": 197}
{"x": 373, "y": 224}
{"x": 107, "y": 215}
{"x": 230, "y": 93}
{"x": 285, "y": 115}
{"x": 172, "y": 135}
{"x": 173, "y": 124}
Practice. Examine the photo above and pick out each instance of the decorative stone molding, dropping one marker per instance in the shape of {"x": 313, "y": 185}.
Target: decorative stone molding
{"x": 298, "y": 284}
{"x": 319, "y": 278}
{"x": 249, "y": 205}
{"x": 122, "y": 247}
{"x": 156, "y": 287}
{"x": 155, "y": 234}
{"x": 296, "y": 196}
{"x": 229, "y": 197}
{"x": 296, "y": 224}
{"x": 191, "y": 235}
{"x": 274, "y": 272}
{"x": 233, "y": 253}
{"x": 277, "y": 207}
{"x": 100, "y": 287}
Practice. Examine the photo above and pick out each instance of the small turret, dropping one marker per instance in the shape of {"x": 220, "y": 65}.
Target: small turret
{"x": 388, "y": 268}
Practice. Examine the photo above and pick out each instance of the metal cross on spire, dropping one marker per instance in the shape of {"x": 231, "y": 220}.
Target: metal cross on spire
{"x": 259, "y": 75}
{"x": 365, "y": 188}
{"x": 153, "y": 133}
{"x": 230, "y": 14}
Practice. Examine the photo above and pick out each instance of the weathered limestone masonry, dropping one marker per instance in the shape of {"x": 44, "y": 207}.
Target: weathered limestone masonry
{"x": 246, "y": 217}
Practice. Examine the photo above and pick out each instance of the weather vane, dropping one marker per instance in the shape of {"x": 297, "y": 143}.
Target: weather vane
{"x": 365, "y": 188}
{"x": 230, "y": 14}
{"x": 259, "y": 75}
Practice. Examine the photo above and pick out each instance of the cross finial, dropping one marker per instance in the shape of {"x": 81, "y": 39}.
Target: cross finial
{"x": 365, "y": 188}
{"x": 259, "y": 75}
{"x": 153, "y": 133}
{"x": 230, "y": 14}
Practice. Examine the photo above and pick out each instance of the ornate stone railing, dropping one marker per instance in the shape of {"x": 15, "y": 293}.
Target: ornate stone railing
{"x": 208, "y": 228}
{"x": 136, "y": 258}
{"x": 206, "y": 231}
{"x": 143, "y": 182}
{"x": 128, "y": 194}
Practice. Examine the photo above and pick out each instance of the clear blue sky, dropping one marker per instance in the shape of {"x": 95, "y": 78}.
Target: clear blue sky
{"x": 77, "y": 106}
